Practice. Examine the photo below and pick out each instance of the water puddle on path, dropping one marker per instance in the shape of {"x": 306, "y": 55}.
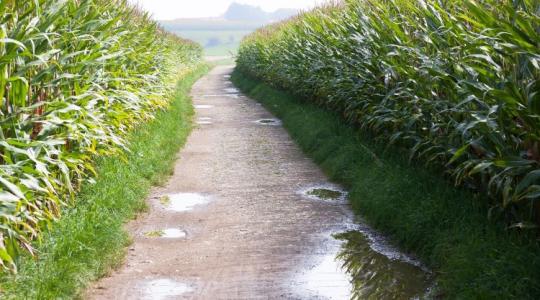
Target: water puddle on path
{"x": 378, "y": 276}
{"x": 269, "y": 122}
{"x": 182, "y": 202}
{"x": 171, "y": 233}
{"x": 203, "y": 106}
{"x": 362, "y": 266}
{"x": 232, "y": 91}
{"x": 327, "y": 279}
{"x": 325, "y": 192}
{"x": 162, "y": 289}
{"x": 204, "y": 121}
{"x": 359, "y": 263}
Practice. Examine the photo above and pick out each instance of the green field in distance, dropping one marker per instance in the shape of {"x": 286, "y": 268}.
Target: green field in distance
{"x": 219, "y": 37}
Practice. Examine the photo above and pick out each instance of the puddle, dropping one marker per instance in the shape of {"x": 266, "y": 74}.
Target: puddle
{"x": 154, "y": 234}
{"x": 354, "y": 268}
{"x": 375, "y": 275}
{"x": 165, "y": 200}
{"x": 203, "y": 122}
{"x": 269, "y": 122}
{"x": 380, "y": 244}
{"x": 226, "y": 76}
{"x": 203, "y": 106}
{"x": 171, "y": 233}
{"x": 357, "y": 262}
{"x": 325, "y": 192}
{"x": 185, "y": 201}
{"x": 328, "y": 280}
{"x": 161, "y": 289}
{"x": 232, "y": 90}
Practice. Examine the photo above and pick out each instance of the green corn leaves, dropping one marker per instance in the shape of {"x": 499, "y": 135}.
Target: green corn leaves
{"x": 75, "y": 77}
{"x": 456, "y": 82}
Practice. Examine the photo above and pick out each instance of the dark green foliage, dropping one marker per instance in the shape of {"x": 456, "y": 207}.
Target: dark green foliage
{"x": 472, "y": 257}
{"x": 455, "y": 82}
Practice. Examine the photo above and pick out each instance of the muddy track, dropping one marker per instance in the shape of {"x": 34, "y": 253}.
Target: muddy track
{"x": 243, "y": 229}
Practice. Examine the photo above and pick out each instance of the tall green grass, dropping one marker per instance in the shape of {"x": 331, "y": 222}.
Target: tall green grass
{"x": 75, "y": 77}
{"x": 455, "y": 82}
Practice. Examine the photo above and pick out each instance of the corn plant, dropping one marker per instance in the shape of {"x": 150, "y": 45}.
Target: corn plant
{"x": 75, "y": 77}
{"x": 455, "y": 82}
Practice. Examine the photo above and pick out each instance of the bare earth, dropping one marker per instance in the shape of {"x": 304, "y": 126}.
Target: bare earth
{"x": 257, "y": 237}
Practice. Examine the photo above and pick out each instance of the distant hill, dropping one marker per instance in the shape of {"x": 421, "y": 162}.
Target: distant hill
{"x": 222, "y": 35}
{"x": 211, "y": 24}
{"x": 245, "y": 12}
{"x": 284, "y": 13}
{"x": 237, "y": 17}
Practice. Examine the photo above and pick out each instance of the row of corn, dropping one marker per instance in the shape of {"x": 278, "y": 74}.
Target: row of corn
{"x": 75, "y": 77}
{"x": 455, "y": 82}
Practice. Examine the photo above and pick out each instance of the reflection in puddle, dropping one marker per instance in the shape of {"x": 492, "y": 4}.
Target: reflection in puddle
{"x": 165, "y": 200}
{"x": 352, "y": 268}
{"x": 269, "y": 122}
{"x": 162, "y": 289}
{"x": 376, "y": 276}
{"x": 381, "y": 245}
{"x": 325, "y": 192}
{"x": 202, "y": 122}
{"x": 328, "y": 280}
{"x": 203, "y": 106}
{"x": 185, "y": 201}
{"x": 171, "y": 233}
{"x": 155, "y": 233}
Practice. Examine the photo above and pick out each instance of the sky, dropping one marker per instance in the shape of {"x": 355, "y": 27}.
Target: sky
{"x": 175, "y": 9}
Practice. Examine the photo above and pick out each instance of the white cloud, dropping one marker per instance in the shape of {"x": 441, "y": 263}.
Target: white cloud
{"x": 172, "y": 9}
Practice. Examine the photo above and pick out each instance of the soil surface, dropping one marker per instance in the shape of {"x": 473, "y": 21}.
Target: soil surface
{"x": 246, "y": 230}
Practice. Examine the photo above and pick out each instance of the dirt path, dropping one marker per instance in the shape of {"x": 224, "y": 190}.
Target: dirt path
{"x": 254, "y": 236}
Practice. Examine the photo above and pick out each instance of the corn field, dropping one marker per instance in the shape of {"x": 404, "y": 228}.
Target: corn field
{"x": 455, "y": 82}
{"x": 75, "y": 77}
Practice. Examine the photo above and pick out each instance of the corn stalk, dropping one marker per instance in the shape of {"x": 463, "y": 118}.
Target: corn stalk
{"x": 75, "y": 77}
{"x": 457, "y": 83}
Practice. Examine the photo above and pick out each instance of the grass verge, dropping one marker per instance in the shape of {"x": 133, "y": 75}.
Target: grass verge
{"x": 446, "y": 227}
{"x": 90, "y": 240}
